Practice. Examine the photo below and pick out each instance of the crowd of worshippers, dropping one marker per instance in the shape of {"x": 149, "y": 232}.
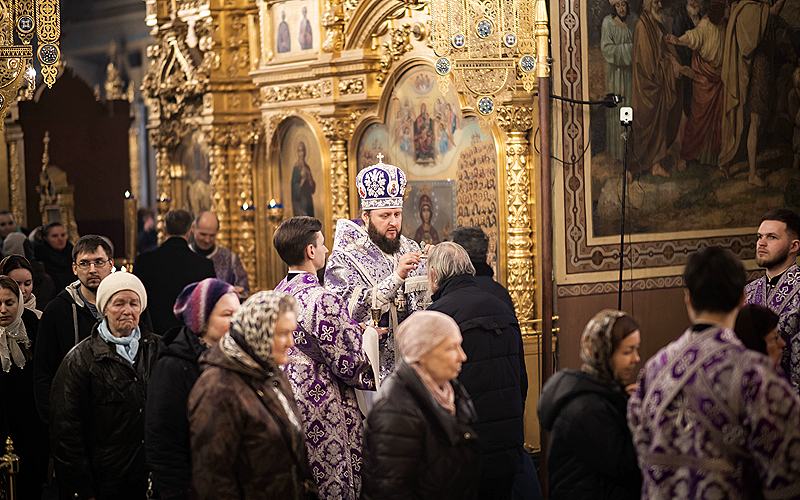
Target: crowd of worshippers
{"x": 398, "y": 375}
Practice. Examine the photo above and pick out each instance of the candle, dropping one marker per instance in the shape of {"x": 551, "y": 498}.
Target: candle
{"x": 129, "y": 219}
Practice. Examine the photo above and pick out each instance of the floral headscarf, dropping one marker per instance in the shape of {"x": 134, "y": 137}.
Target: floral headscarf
{"x": 12, "y": 337}
{"x": 597, "y": 345}
{"x": 253, "y": 325}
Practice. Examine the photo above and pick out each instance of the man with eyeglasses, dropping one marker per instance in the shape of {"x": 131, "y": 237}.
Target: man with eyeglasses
{"x": 70, "y": 316}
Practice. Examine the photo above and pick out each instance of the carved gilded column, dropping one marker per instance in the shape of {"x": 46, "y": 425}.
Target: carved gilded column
{"x": 218, "y": 141}
{"x": 243, "y": 238}
{"x": 338, "y": 130}
{"x": 516, "y": 121}
{"x": 16, "y": 167}
{"x": 333, "y": 22}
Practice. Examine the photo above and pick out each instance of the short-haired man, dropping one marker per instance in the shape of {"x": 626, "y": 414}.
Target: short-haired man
{"x": 711, "y": 418}
{"x": 777, "y": 247}
{"x": 476, "y": 243}
{"x": 7, "y": 224}
{"x": 326, "y": 363}
{"x": 373, "y": 267}
{"x": 55, "y": 251}
{"x": 167, "y": 269}
{"x": 494, "y": 373}
{"x": 70, "y": 316}
{"x": 227, "y": 264}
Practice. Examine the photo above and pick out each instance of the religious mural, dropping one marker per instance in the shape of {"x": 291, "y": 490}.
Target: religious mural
{"x": 193, "y": 157}
{"x": 300, "y": 170}
{"x": 295, "y": 27}
{"x": 428, "y": 211}
{"x": 716, "y": 99}
{"x": 450, "y": 160}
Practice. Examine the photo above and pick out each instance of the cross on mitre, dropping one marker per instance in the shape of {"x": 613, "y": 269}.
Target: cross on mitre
{"x": 380, "y": 157}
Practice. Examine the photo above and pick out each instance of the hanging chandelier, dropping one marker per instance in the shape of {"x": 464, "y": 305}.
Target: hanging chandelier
{"x": 488, "y": 45}
{"x": 20, "y": 22}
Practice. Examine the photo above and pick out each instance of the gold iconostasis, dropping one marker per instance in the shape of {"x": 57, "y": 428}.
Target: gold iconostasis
{"x": 265, "y": 110}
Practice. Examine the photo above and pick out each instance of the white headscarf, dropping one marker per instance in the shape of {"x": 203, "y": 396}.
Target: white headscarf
{"x": 11, "y": 337}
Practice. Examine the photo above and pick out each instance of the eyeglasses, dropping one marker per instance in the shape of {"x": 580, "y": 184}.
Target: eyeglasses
{"x": 98, "y": 263}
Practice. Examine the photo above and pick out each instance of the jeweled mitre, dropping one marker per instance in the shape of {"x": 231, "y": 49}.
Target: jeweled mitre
{"x": 381, "y": 186}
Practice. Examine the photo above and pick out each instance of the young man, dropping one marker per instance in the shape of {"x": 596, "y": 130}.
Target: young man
{"x": 70, "y": 316}
{"x": 712, "y": 418}
{"x": 777, "y": 247}
{"x": 326, "y": 363}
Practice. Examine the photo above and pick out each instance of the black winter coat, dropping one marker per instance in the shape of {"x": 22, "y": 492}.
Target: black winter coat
{"x": 57, "y": 335}
{"x": 484, "y": 277}
{"x": 164, "y": 272}
{"x": 97, "y": 430}
{"x": 591, "y": 454}
{"x": 415, "y": 449}
{"x": 20, "y": 421}
{"x": 167, "y": 423}
{"x": 57, "y": 263}
{"x": 494, "y": 374}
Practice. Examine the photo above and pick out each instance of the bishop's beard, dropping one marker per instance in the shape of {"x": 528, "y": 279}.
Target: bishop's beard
{"x": 386, "y": 245}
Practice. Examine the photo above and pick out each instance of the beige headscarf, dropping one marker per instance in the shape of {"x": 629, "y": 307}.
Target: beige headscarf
{"x": 597, "y": 345}
{"x": 422, "y": 332}
{"x": 11, "y": 337}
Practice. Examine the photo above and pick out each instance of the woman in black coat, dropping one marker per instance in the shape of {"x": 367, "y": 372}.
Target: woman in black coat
{"x": 591, "y": 454}
{"x": 18, "y": 417}
{"x": 205, "y": 308}
{"x": 418, "y": 439}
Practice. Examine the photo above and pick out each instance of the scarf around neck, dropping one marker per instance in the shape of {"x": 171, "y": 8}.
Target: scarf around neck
{"x": 12, "y": 339}
{"x": 445, "y": 396}
{"x": 127, "y": 347}
{"x": 31, "y": 305}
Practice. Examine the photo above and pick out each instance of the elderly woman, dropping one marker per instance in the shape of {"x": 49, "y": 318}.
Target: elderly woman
{"x": 18, "y": 417}
{"x": 205, "y": 309}
{"x": 591, "y": 451}
{"x": 246, "y": 432}
{"x": 418, "y": 439}
{"x": 19, "y": 269}
{"x": 757, "y": 328}
{"x": 98, "y": 396}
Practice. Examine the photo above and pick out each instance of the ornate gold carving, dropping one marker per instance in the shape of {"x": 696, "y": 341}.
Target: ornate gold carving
{"x": 114, "y": 87}
{"x": 516, "y": 121}
{"x": 393, "y": 49}
{"x": 338, "y": 130}
{"x": 333, "y": 22}
{"x": 515, "y": 117}
{"x": 297, "y": 92}
{"x": 17, "y": 174}
{"x": 351, "y": 86}
{"x": 48, "y": 31}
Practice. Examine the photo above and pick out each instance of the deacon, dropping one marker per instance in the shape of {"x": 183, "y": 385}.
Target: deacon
{"x": 326, "y": 363}
{"x": 375, "y": 269}
{"x": 779, "y": 289}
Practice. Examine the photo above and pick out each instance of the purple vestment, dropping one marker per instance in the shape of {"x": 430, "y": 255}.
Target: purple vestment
{"x": 712, "y": 419}
{"x": 784, "y": 300}
{"x": 325, "y": 365}
{"x": 361, "y": 274}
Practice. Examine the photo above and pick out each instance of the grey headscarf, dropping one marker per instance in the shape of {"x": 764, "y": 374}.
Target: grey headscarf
{"x": 13, "y": 244}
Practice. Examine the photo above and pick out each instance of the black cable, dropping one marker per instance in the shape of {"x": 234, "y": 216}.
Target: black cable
{"x": 609, "y": 101}
{"x": 622, "y": 224}
{"x": 559, "y": 160}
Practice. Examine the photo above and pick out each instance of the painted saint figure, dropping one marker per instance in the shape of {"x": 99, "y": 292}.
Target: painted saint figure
{"x": 426, "y": 232}
{"x": 284, "y": 40}
{"x": 423, "y": 136}
{"x": 303, "y": 185}
{"x": 306, "y": 37}
{"x": 616, "y": 44}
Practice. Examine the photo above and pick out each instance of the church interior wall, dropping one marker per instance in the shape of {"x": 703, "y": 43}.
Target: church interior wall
{"x": 676, "y": 203}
